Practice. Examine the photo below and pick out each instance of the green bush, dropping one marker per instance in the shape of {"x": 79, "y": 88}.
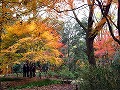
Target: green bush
{"x": 51, "y": 73}
{"x": 65, "y": 73}
{"x": 116, "y": 62}
{"x": 98, "y": 78}
{"x": 76, "y": 74}
{"x": 17, "y": 68}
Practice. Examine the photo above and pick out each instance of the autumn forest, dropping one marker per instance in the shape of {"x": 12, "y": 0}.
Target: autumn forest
{"x": 73, "y": 40}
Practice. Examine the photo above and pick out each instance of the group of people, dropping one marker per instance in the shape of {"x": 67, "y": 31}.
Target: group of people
{"x": 29, "y": 69}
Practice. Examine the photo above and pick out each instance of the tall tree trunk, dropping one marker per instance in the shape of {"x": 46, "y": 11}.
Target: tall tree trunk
{"x": 90, "y": 50}
{"x": 89, "y": 42}
{"x": 89, "y": 38}
{"x": 89, "y": 30}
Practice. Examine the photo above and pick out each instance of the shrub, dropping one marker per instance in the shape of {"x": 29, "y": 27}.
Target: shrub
{"x": 65, "y": 73}
{"x": 98, "y": 78}
{"x": 51, "y": 73}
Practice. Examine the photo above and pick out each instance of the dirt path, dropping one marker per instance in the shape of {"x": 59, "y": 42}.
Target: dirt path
{"x": 54, "y": 87}
{"x": 7, "y": 84}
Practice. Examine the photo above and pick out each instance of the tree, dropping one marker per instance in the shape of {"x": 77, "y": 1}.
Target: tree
{"x": 23, "y": 10}
{"x": 34, "y": 41}
{"x": 95, "y": 24}
{"x": 74, "y": 39}
{"x": 105, "y": 48}
{"x": 90, "y": 35}
{"x": 20, "y": 11}
{"x": 13, "y": 10}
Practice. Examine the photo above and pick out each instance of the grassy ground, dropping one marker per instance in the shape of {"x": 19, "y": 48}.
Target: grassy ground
{"x": 44, "y": 82}
{"x": 12, "y": 82}
{"x": 4, "y": 79}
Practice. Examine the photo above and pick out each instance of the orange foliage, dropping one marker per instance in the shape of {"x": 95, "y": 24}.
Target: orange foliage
{"x": 34, "y": 41}
{"x": 105, "y": 46}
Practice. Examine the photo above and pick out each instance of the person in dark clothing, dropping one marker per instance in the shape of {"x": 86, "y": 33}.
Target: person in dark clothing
{"x": 30, "y": 68}
{"x": 24, "y": 70}
{"x": 33, "y": 69}
{"x": 43, "y": 68}
{"x": 27, "y": 68}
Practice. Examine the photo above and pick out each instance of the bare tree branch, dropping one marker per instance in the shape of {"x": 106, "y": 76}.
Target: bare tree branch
{"x": 83, "y": 6}
{"x": 76, "y": 18}
{"x": 110, "y": 27}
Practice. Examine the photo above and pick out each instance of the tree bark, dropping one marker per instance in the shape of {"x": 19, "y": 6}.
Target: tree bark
{"x": 89, "y": 38}
{"x": 90, "y": 50}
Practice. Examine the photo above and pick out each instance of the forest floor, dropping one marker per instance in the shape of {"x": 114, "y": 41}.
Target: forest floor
{"x": 64, "y": 86}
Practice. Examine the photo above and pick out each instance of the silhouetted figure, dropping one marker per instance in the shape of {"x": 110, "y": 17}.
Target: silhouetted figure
{"x": 30, "y": 68}
{"x": 24, "y": 70}
{"x": 27, "y": 68}
{"x": 33, "y": 69}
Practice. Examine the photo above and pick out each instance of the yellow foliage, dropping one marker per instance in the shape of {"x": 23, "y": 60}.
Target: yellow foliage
{"x": 52, "y": 44}
{"x": 32, "y": 26}
{"x": 59, "y": 61}
{"x": 47, "y": 35}
{"x": 23, "y": 40}
{"x": 18, "y": 28}
{"x": 39, "y": 41}
{"x": 56, "y": 52}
